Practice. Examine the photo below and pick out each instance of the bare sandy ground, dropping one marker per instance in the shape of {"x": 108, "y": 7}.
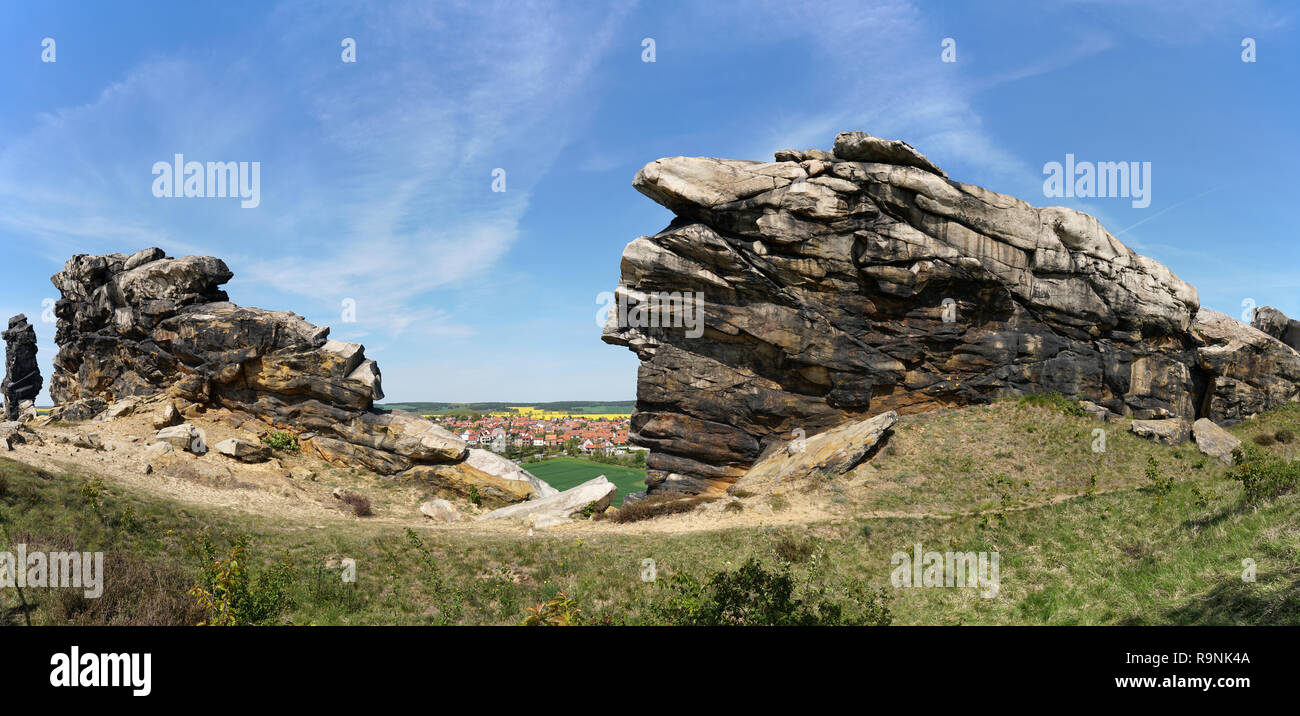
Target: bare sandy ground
{"x": 268, "y": 490}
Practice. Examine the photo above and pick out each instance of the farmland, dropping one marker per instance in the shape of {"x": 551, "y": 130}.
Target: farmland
{"x": 565, "y": 472}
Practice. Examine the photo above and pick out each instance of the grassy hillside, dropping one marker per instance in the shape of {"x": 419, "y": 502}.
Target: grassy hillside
{"x": 565, "y": 472}
{"x": 1127, "y": 550}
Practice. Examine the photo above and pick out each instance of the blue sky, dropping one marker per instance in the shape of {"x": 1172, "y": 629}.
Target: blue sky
{"x": 376, "y": 176}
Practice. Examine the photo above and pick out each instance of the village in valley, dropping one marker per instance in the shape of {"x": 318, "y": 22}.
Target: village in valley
{"x": 529, "y": 433}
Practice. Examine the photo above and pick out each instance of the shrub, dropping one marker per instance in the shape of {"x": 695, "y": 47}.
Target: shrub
{"x": 139, "y": 593}
{"x": 755, "y": 596}
{"x": 281, "y": 441}
{"x": 792, "y": 550}
{"x": 1262, "y": 476}
{"x": 1054, "y": 400}
{"x": 733, "y": 506}
{"x": 1160, "y": 484}
{"x": 232, "y": 595}
{"x": 658, "y": 506}
{"x": 1264, "y": 440}
{"x": 560, "y": 611}
{"x": 474, "y": 495}
{"x": 358, "y": 503}
{"x": 1284, "y": 436}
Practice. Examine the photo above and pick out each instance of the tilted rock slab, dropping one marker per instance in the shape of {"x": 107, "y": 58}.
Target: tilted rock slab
{"x": 1170, "y": 431}
{"x": 838, "y": 285}
{"x": 562, "y": 506}
{"x": 1214, "y": 440}
{"x": 826, "y": 455}
{"x": 134, "y": 326}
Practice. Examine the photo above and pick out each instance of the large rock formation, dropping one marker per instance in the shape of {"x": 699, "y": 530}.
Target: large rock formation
{"x": 1276, "y": 324}
{"x": 22, "y": 381}
{"x": 143, "y": 324}
{"x": 836, "y": 285}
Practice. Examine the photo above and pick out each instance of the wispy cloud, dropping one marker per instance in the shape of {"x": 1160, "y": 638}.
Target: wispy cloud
{"x": 376, "y": 176}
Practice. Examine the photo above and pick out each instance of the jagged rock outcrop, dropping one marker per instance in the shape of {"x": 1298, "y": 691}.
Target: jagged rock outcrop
{"x": 1246, "y": 370}
{"x": 1276, "y": 324}
{"x": 139, "y": 325}
{"x": 22, "y": 381}
{"x": 831, "y": 286}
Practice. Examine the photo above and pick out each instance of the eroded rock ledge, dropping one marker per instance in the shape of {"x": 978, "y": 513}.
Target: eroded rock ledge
{"x": 139, "y": 325}
{"x": 839, "y": 285}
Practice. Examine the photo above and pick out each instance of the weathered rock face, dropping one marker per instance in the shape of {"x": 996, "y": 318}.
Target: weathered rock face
{"x": 830, "y": 286}
{"x": 1247, "y": 371}
{"x": 22, "y": 381}
{"x": 1276, "y": 324}
{"x": 143, "y": 324}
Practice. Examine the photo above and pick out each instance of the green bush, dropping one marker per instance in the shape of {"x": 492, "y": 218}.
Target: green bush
{"x": 1284, "y": 436}
{"x": 281, "y": 441}
{"x": 1054, "y": 400}
{"x": 231, "y": 594}
{"x": 1262, "y": 476}
{"x": 1161, "y": 484}
{"x": 756, "y": 596}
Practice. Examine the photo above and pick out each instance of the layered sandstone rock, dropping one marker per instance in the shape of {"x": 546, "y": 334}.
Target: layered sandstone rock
{"x": 22, "y": 381}
{"x": 837, "y": 285}
{"x": 1276, "y": 324}
{"x": 140, "y": 325}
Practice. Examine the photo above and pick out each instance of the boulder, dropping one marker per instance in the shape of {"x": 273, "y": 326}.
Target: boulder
{"x": 826, "y": 455}
{"x": 89, "y": 441}
{"x": 158, "y": 449}
{"x": 184, "y": 437}
{"x": 166, "y": 417}
{"x": 494, "y": 464}
{"x": 1171, "y": 431}
{"x": 469, "y": 483}
{"x": 1214, "y": 440}
{"x": 562, "y": 506}
{"x": 242, "y": 450}
{"x": 120, "y": 409}
{"x": 27, "y": 411}
{"x": 442, "y": 511}
{"x": 77, "y": 411}
{"x": 11, "y": 434}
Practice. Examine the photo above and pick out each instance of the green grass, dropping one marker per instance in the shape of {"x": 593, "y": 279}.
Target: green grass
{"x": 1119, "y": 556}
{"x": 565, "y": 472}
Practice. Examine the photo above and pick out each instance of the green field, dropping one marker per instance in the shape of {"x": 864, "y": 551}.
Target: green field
{"x": 565, "y": 472}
